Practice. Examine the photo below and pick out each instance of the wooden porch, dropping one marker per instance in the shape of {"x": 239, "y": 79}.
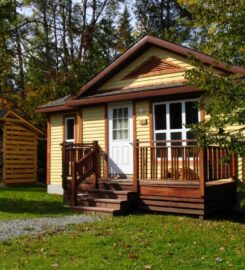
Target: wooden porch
{"x": 169, "y": 176}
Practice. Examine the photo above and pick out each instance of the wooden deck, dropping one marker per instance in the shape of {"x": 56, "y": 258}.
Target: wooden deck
{"x": 198, "y": 185}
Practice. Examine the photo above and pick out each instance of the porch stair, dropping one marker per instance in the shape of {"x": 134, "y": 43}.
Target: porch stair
{"x": 102, "y": 201}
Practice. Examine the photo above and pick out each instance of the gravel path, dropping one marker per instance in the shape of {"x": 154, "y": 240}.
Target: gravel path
{"x": 14, "y": 228}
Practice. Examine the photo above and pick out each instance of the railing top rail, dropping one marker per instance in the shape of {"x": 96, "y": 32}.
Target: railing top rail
{"x": 165, "y": 141}
{"x": 76, "y": 144}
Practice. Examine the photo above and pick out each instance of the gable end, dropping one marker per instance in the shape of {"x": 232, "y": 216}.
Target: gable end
{"x": 154, "y": 66}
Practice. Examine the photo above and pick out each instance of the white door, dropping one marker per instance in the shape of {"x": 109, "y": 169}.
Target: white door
{"x": 120, "y": 139}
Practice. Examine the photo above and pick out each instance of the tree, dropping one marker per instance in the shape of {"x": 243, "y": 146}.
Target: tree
{"x": 220, "y": 31}
{"x": 125, "y": 37}
{"x": 162, "y": 18}
{"x": 7, "y": 15}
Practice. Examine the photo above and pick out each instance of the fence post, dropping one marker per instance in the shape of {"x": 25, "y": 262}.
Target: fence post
{"x": 203, "y": 170}
{"x": 96, "y": 164}
{"x": 74, "y": 183}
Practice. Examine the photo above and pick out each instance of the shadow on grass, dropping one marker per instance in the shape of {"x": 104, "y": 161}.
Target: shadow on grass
{"x": 32, "y": 200}
{"x": 232, "y": 215}
{"x": 21, "y": 206}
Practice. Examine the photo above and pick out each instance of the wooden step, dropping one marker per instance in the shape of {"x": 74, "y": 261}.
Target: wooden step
{"x": 117, "y": 204}
{"x": 96, "y": 210}
{"x": 111, "y": 194}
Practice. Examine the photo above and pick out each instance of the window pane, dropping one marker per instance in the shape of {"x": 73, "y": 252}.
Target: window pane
{"x": 125, "y": 134}
{"x": 190, "y": 136}
{"x": 176, "y": 136}
{"x": 175, "y": 116}
{"x": 161, "y": 150}
{"x": 114, "y": 124}
{"x": 114, "y": 134}
{"x": 160, "y": 117}
{"x": 125, "y": 123}
{"x": 70, "y": 129}
{"x": 191, "y": 112}
{"x": 114, "y": 113}
{"x": 120, "y": 113}
{"x": 160, "y": 136}
{"x": 126, "y": 112}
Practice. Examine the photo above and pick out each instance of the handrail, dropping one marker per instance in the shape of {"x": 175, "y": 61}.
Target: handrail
{"x": 80, "y": 161}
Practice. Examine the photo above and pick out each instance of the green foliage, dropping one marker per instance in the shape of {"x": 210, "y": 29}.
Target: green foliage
{"x": 138, "y": 242}
{"x": 125, "y": 37}
{"x": 218, "y": 29}
{"x": 52, "y": 48}
{"x": 6, "y": 54}
{"x": 164, "y": 19}
{"x": 224, "y": 103}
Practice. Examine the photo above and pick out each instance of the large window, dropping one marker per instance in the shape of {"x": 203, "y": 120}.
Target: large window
{"x": 70, "y": 129}
{"x": 171, "y": 120}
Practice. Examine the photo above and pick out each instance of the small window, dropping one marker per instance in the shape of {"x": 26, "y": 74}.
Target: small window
{"x": 70, "y": 129}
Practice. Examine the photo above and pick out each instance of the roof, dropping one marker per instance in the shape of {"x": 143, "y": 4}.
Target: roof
{"x": 57, "y": 102}
{"x": 4, "y": 117}
{"x": 142, "y": 45}
{"x": 67, "y": 102}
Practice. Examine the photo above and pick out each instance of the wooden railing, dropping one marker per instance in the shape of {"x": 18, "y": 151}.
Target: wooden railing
{"x": 168, "y": 160}
{"x": 219, "y": 163}
{"x": 79, "y": 162}
{"x": 180, "y": 161}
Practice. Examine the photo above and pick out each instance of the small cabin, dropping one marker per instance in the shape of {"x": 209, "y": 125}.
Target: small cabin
{"x": 123, "y": 143}
{"x": 18, "y": 149}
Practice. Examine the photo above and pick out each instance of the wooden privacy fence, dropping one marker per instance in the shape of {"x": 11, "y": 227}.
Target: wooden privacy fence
{"x": 180, "y": 160}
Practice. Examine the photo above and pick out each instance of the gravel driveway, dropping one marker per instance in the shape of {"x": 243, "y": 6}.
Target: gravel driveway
{"x": 14, "y": 228}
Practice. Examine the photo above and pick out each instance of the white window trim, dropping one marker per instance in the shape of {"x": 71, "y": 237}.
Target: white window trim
{"x": 69, "y": 140}
{"x": 168, "y": 131}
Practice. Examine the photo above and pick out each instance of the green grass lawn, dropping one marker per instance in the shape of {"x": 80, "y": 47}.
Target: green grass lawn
{"x": 28, "y": 202}
{"x": 133, "y": 242}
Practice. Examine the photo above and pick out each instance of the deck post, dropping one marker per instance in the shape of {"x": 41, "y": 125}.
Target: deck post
{"x": 233, "y": 166}
{"x": 96, "y": 164}
{"x": 203, "y": 170}
{"x": 135, "y": 179}
{"x": 74, "y": 183}
{"x": 64, "y": 173}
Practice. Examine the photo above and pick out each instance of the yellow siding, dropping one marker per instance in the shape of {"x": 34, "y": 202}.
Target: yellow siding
{"x": 143, "y": 131}
{"x": 118, "y": 82}
{"x": 55, "y": 151}
{"x": 94, "y": 129}
{"x": 142, "y": 113}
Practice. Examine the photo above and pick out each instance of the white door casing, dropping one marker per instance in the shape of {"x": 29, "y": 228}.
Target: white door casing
{"x": 120, "y": 139}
